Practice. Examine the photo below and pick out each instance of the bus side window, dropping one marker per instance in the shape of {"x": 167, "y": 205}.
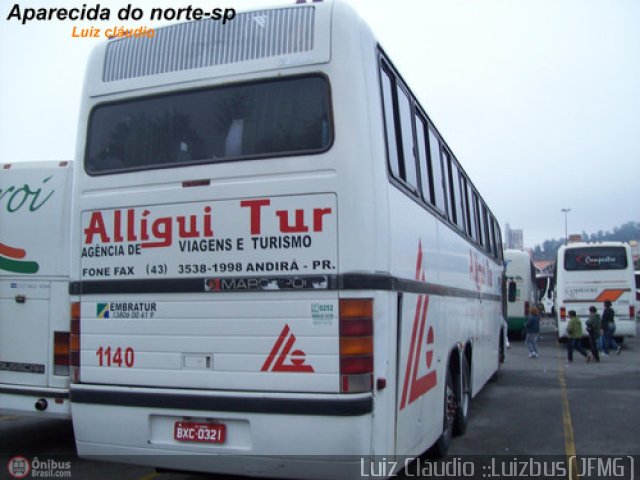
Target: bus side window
{"x": 423, "y": 158}
{"x": 448, "y": 191}
{"x": 498, "y": 238}
{"x": 492, "y": 227}
{"x": 464, "y": 187}
{"x": 476, "y": 209}
{"x": 473, "y": 232}
{"x": 408, "y": 164}
{"x": 456, "y": 194}
{"x": 389, "y": 122}
{"x": 436, "y": 165}
{"x": 398, "y": 119}
{"x": 485, "y": 224}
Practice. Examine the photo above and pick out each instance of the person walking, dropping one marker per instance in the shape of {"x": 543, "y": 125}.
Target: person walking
{"x": 574, "y": 331}
{"x": 532, "y": 329}
{"x": 593, "y": 329}
{"x": 608, "y": 329}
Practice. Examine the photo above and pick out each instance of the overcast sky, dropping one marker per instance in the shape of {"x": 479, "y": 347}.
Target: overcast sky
{"x": 539, "y": 99}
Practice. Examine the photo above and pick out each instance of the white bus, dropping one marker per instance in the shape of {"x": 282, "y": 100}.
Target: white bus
{"x": 279, "y": 260}
{"x": 590, "y": 273}
{"x": 521, "y": 287}
{"x": 35, "y": 207}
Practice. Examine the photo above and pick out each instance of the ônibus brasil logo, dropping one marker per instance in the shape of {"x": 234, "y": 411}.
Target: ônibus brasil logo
{"x": 19, "y": 467}
{"x": 11, "y": 260}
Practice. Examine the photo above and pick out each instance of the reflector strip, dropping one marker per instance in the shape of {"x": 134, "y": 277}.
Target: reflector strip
{"x": 196, "y": 183}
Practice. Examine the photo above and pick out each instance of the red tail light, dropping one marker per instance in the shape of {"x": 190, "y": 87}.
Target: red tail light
{"x": 356, "y": 345}
{"x": 632, "y": 312}
{"x": 563, "y": 314}
{"x": 61, "y": 353}
{"x": 74, "y": 342}
{"x": 526, "y": 309}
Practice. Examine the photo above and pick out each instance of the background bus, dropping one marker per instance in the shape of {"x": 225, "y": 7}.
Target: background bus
{"x": 35, "y": 206}
{"x": 590, "y": 273}
{"x": 278, "y": 260}
{"x": 521, "y": 288}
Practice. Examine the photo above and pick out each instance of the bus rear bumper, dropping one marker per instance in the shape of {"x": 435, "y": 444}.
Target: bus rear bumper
{"x": 284, "y": 436}
{"x": 253, "y": 466}
{"x": 34, "y": 401}
{"x": 625, "y": 328}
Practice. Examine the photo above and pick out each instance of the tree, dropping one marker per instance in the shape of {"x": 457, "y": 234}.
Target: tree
{"x": 624, "y": 233}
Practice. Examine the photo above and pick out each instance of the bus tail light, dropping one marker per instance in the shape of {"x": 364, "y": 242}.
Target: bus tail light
{"x": 632, "y": 312}
{"x": 74, "y": 342}
{"x": 526, "y": 309}
{"x": 563, "y": 314}
{"x": 61, "y": 353}
{"x": 356, "y": 345}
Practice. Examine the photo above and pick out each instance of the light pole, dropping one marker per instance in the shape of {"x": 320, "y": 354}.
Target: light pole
{"x": 566, "y": 235}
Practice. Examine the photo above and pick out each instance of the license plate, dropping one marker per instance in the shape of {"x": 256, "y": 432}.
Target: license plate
{"x": 199, "y": 432}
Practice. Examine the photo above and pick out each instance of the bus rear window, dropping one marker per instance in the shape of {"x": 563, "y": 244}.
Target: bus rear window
{"x": 595, "y": 258}
{"x": 260, "y": 119}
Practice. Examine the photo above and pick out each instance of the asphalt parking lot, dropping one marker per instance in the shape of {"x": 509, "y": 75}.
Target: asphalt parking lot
{"x": 548, "y": 406}
{"x": 543, "y": 409}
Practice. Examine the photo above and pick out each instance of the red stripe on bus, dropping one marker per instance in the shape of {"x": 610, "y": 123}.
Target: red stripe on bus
{"x": 12, "y": 252}
{"x": 611, "y": 294}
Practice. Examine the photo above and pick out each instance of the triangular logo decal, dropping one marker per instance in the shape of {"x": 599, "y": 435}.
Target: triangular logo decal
{"x": 282, "y": 358}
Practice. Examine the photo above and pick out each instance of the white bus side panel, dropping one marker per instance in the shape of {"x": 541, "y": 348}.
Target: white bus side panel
{"x": 433, "y": 324}
{"x": 34, "y": 290}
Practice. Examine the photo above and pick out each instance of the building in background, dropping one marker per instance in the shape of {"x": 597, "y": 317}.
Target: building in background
{"x": 575, "y": 238}
{"x": 513, "y": 238}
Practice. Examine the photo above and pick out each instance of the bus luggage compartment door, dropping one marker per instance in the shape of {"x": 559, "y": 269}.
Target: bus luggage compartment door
{"x": 24, "y": 332}
{"x": 262, "y": 343}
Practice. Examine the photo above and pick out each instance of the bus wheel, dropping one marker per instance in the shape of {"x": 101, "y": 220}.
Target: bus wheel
{"x": 440, "y": 448}
{"x": 463, "y": 397}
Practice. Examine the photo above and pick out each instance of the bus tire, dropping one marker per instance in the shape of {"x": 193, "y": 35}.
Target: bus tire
{"x": 441, "y": 447}
{"x": 463, "y": 398}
